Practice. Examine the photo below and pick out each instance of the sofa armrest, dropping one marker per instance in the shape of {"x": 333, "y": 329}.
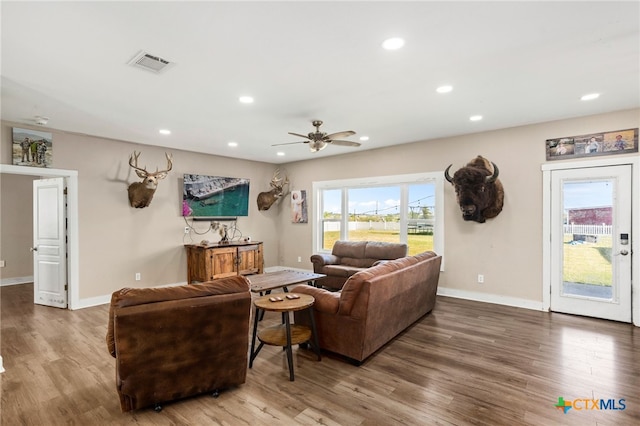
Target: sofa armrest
{"x": 325, "y": 300}
{"x": 325, "y": 259}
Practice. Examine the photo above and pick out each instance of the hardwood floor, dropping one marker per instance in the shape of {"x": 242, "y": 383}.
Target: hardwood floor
{"x": 465, "y": 363}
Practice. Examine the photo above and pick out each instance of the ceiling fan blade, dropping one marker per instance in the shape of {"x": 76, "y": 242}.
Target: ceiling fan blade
{"x": 344, "y": 143}
{"x": 340, "y": 135}
{"x": 299, "y": 135}
{"x": 289, "y": 143}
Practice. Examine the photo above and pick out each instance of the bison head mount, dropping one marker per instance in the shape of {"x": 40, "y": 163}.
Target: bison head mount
{"x": 479, "y": 192}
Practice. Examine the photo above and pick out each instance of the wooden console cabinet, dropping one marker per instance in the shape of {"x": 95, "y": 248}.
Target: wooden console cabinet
{"x": 206, "y": 263}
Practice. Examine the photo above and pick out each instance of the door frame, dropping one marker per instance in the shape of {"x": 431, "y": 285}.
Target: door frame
{"x": 73, "y": 244}
{"x": 547, "y": 168}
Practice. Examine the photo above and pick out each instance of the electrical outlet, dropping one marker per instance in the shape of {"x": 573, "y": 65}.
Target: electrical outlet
{"x": 299, "y": 259}
{"x": 480, "y": 278}
{"x": 2, "y": 264}
{"x": 187, "y": 229}
{"x": 137, "y": 276}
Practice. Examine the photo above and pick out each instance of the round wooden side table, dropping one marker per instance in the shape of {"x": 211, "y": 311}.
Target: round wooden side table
{"x": 285, "y": 334}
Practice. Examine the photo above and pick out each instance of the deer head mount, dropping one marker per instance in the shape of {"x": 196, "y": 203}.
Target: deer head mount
{"x": 267, "y": 199}
{"x": 141, "y": 193}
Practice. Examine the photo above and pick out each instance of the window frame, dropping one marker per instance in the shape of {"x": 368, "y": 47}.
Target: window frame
{"x": 403, "y": 181}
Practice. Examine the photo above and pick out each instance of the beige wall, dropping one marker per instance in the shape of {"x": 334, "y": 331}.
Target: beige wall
{"x": 507, "y": 250}
{"x": 116, "y": 241}
{"x": 16, "y": 226}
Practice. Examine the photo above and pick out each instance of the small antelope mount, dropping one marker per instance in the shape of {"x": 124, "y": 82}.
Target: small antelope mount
{"x": 267, "y": 199}
{"x": 141, "y": 193}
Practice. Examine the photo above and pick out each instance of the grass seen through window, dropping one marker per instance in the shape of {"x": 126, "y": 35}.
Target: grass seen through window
{"x": 587, "y": 263}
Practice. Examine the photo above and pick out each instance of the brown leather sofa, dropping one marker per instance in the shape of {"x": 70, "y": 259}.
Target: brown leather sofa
{"x": 374, "y": 306}
{"x": 173, "y": 342}
{"x": 349, "y": 257}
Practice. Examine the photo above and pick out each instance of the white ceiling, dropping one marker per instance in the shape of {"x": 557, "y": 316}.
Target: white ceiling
{"x": 514, "y": 63}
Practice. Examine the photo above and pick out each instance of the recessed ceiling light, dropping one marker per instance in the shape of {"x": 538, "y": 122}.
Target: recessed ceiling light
{"x": 246, "y": 99}
{"x": 364, "y": 138}
{"x": 444, "y": 89}
{"x": 164, "y": 131}
{"x": 280, "y": 154}
{"x": 590, "y": 97}
{"x": 393, "y": 43}
{"x": 475, "y": 118}
{"x": 233, "y": 144}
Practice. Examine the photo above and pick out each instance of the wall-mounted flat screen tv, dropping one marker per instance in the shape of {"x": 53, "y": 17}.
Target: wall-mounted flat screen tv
{"x": 206, "y": 197}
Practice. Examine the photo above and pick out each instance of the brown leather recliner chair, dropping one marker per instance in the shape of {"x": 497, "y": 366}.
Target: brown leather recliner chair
{"x": 174, "y": 342}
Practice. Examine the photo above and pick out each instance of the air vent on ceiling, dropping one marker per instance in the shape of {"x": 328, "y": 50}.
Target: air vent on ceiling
{"x": 150, "y": 62}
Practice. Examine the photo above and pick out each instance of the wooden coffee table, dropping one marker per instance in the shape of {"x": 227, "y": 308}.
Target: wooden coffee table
{"x": 280, "y": 279}
{"x": 285, "y": 334}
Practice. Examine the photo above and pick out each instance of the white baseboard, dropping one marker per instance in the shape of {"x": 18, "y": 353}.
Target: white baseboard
{"x": 285, "y": 268}
{"x": 15, "y": 280}
{"x": 491, "y": 298}
{"x": 91, "y": 301}
{"x": 101, "y": 300}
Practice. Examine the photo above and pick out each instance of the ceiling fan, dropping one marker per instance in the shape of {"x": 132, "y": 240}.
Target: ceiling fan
{"x": 319, "y": 140}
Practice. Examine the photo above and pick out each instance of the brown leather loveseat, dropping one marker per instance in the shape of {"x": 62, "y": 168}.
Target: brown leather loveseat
{"x": 173, "y": 342}
{"x": 374, "y": 306}
{"x": 349, "y": 257}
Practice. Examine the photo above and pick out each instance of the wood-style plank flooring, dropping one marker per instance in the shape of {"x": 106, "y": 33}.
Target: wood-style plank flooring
{"x": 465, "y": 363}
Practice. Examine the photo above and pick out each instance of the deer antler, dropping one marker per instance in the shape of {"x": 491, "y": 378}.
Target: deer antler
{"x": 169, "y": 164}
{"x": 276, "y": 179}
{"x": 143, "y": 173}
{"x": 133, "y": 162}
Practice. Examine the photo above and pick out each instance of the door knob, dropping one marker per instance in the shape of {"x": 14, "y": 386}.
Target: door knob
{"x": 624, "y": 252}
{"x": 33, "y": 249}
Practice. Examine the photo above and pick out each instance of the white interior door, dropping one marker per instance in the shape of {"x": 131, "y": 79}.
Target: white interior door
{"x": 591, "y": 242}
{"x": 49, "y": 243}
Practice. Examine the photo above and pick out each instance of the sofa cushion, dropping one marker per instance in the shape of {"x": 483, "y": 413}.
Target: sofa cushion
{"x": 351, "y": 288}
{"x": 140, "y": 296}
{"x": 353, "y": 249}
{"x": 358, "y": 263}
{"x": 381, "y": 250}
{"x": 340, "y": 270}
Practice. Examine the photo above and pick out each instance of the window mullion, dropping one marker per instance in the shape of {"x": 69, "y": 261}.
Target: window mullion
{"x": 344, "y": 223}
{"x": 404, "y": 207}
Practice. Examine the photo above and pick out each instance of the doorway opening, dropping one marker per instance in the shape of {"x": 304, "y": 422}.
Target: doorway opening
{"x": 71, "y": 179}
{"x": 590, "y": 223}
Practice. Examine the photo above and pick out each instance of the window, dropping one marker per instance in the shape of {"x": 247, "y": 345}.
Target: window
{"x": 405, "y": 208}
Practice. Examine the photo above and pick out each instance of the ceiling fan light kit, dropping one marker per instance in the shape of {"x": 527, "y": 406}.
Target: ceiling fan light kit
{"x": 41, "y": 121}
{"x": 319, "y": 140}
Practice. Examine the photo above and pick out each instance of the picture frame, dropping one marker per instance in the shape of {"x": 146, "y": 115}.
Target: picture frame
{"x": 593, "y": 145}
{"x": 32, "y": 148}
{"x": 299, "y": 207}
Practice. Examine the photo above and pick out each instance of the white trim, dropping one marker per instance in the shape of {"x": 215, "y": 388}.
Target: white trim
{"x": 547, "y": 168}
{"x": 408, "y": 179}
{"x": 496, "y": 299}
{"x": 1, "y": 367}
{"x": 285, "y": 268}
{"x": 15, "y": 281}
{"x": 71, "y": 178}
{"x": 92, "y": 301}
{"x": 104, "y": 299}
